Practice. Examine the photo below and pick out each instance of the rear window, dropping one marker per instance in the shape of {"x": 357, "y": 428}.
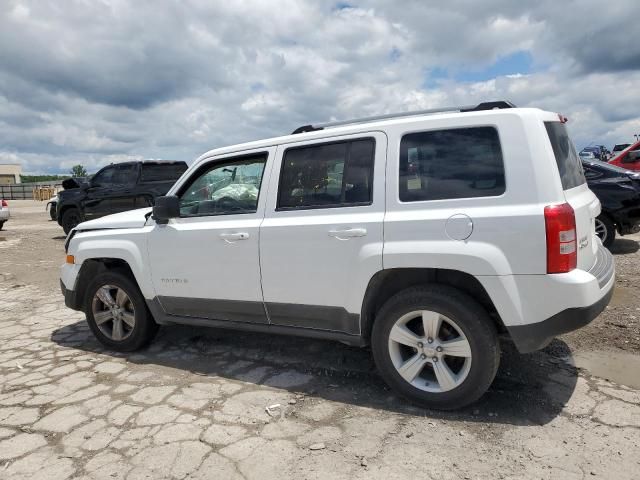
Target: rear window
{"x": 569, "y": 165}
{"x": 620, "y": 147}
{"x": 447, "y": 164}
{"x": 161, "y": 172}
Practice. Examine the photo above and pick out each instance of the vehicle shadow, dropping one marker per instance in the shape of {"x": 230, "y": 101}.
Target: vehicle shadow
{"x": 528, "y": 390}
{"x": 59, "y": 237}
{"x": 624, "y": 246}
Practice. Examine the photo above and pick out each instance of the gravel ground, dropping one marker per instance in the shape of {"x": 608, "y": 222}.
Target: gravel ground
{"x": 194, "y": 405}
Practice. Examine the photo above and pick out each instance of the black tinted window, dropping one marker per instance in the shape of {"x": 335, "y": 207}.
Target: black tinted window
{"x": 125, "y": 175}
{"x": 104, "y": 177}
{"x": 569, "y": 165}
{"x": 158, "y": 172}
{"x": 327, "y": 175}
{"x": 457, "y": 163}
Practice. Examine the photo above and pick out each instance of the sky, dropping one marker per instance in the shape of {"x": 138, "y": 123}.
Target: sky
{"x": 96, "y": 82}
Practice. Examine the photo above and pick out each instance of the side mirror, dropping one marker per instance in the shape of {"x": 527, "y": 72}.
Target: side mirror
{"x": 165, "y": 208}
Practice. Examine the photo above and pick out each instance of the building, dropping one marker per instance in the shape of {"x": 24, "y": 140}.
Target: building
{"x": 10, "y": 173}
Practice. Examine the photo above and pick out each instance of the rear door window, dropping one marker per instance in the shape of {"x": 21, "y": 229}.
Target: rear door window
{"x": 448, "y": 164}
{"x": 336, "y": 174}
{"x": 159, "y": 172}
{"x": 569, "y": 164}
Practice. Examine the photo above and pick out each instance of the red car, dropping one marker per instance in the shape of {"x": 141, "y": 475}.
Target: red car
{"x": 629, "y": 158}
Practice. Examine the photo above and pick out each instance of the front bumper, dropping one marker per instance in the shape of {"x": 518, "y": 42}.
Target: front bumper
{"x": 71, "y": 299}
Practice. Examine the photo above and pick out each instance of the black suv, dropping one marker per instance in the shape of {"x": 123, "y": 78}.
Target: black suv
{"x": 116, "y": 188}
{"x": 619, "y": 193}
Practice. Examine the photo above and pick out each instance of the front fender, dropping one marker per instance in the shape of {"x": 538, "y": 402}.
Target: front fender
{"x": 109, "y": 244}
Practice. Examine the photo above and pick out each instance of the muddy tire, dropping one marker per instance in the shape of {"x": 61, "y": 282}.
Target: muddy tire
{"x": 436, "y": 346}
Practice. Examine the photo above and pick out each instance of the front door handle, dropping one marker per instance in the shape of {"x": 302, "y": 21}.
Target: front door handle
{"x": 233, "y": 237}
{"x": 348, "y": 233}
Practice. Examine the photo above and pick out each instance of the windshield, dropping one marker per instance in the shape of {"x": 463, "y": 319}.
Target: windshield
{"x": 620, "y": 147}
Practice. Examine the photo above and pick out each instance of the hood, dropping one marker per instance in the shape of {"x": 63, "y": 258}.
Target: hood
{"x": 131, "y": 219}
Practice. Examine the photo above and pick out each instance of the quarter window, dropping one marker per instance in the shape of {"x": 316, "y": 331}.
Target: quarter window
{"x": 227, "y": 187}
{"x": 337, "y": 174}
{"x": 448, "y": 164}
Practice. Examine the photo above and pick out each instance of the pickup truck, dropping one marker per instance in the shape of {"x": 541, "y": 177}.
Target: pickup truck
{"x": 116, "y": 188}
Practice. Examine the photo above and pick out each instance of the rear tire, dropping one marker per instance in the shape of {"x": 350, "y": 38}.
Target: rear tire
{"x": 2, "y": 224}
{"x": 117, "y": 313}
{"x": 436, "y": 346}
{"x": 606, "y": 230}
{"x": 70, "y": 219}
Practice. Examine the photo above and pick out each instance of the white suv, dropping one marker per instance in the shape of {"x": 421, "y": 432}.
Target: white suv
{"x": 424, "y": 234}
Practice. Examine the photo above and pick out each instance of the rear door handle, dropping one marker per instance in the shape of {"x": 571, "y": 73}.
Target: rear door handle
{"x": 348, "y": 233}
{"x": 233, "y": 237}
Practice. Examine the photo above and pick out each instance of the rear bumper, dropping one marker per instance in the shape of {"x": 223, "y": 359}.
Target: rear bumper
{"x": 535, "y": 336}
{"x": 532, "y": 337}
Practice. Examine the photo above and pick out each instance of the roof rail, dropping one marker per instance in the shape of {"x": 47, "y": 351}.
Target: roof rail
{"x": 466, "y": 108}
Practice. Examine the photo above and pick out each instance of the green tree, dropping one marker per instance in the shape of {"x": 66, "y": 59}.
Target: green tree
{"x": 78, "y": 171}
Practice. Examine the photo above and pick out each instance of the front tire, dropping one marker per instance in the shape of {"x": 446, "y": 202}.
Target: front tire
{"x": 70, "y": 219}
{"x": 606, "y": 230}
{"x": 52, "y": 212}
{"x": 436, "y": 346}
{"x": 2, "y": 224}
{"x": 117, "y": 313}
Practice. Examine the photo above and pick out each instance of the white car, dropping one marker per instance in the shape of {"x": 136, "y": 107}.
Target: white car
{"x": 423, "y": 234}
{"x": 4, "y": 212}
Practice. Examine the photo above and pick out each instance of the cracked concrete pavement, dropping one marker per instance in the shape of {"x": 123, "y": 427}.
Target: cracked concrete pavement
{"x": 203, "y": 403}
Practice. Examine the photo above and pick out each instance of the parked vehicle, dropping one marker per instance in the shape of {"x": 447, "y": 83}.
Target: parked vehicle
{"x": 618, "y": 148}
{"x": 618, "y": 190}
{"x": 51, "y": 207}
{"x": 597, "y": 152}
{"x": 606, "y": 154}
{"x": 425, "y": 235}
{"x": 629, "y": 158}
{"x": 115, "y": 188}
{"x": 587, "y": 155}
{"x": 4, "y": 212}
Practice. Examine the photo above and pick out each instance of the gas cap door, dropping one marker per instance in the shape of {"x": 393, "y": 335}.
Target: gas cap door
{"x": 459, "y": 226}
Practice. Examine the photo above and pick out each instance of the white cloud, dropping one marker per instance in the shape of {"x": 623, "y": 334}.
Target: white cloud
{"x": 95, "y": 82}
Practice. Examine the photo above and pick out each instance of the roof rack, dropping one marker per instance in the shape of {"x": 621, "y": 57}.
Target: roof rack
{"x": 466, "y": 108}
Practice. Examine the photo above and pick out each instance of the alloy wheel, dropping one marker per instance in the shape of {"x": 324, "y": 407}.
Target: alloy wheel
{"x": 601, "y": 230}
{"x": 430, "y": 351}
{"x": 113, "y": 312}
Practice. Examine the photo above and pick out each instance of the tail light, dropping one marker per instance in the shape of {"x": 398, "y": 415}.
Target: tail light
{"x": 560, "y": 223}
{"x": 4, "y": 203}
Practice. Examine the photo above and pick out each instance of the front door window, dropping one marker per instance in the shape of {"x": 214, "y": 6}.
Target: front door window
{"x": 224, "y": 188}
